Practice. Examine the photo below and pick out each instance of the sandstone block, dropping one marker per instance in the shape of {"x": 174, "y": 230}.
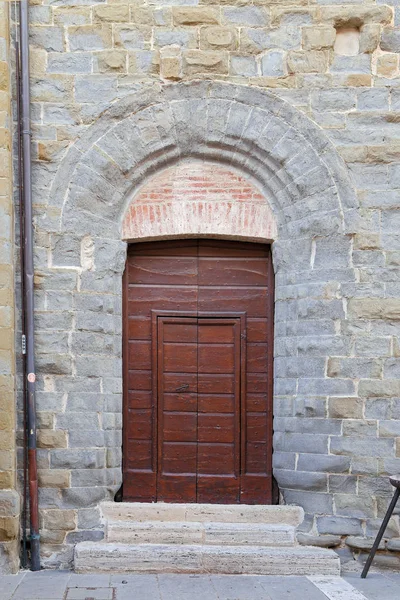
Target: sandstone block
{"x": 312, "y": 61}
{"x": 345, "y": 408}
{"x": 53, "y": 478}
{"x": 218, "y": 38}
{"x": 355, "y": 16}
{"x": 201, "y": 61}
{"x": 110, "y": 61}
{"x": 52, "y": 438}
{"x": 111, "y": 13}
{"x": 318, "y": 38}
{"x": 55, "y": 519}
{"x": 374, "y": 308}
{"x": 171, "y": 62}
{"x": 9, "y": 528}
{"x": 369, "y": 38}
{"x": 195, "y": 15}
{"x": 387, "y": 65}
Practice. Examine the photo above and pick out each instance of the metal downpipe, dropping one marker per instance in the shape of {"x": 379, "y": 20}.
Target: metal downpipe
{"x": 28, "y": 286}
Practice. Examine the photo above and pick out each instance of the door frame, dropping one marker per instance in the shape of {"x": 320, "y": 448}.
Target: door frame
{"x": 270, "y": 367}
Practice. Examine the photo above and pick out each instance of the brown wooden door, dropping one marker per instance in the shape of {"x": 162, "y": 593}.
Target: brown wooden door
{"x": 198, "y": 372}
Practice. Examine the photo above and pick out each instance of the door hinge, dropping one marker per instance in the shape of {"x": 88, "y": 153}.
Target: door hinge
{"x": 23, "y": 343}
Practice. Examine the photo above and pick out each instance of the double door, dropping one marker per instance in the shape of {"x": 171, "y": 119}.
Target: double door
{"x": 198, "y": 372}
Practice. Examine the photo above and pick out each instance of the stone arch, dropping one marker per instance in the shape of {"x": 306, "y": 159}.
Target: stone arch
{"x": 295, "y": 167}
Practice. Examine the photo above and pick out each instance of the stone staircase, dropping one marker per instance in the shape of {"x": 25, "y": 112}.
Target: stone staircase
{"x": 202, "y": 538}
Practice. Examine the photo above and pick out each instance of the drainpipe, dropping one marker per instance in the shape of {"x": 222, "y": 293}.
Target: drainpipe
{"x": 28, "y": 308}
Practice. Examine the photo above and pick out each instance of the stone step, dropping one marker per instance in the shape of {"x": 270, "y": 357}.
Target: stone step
{"x": 194, "y": 532}
{"x": 94, "y": 557}
{"x": 203, "y": 513}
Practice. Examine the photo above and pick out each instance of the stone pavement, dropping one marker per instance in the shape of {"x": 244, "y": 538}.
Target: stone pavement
{"x": 64, "y": 585}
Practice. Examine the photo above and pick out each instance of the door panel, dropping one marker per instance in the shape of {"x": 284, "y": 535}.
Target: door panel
{"x": 198, "y": 338}
{"x": 177, "y": 419}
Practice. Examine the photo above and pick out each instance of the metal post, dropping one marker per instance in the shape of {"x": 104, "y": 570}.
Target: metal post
{"x": 380, "y": 533}
{"x": 28, "y": 286}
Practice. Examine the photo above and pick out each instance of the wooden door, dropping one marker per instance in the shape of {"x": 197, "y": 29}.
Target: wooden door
{"x": 198, "y": 372}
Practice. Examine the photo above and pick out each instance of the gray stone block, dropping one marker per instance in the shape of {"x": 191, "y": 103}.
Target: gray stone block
{"x": 69, "y": 62}
{"x": 339, "y": 525}
{"x": 323, "y": 463}
{"x": 273, "y": 64}
{"x": 49, "y": 38}
{"x": 252, "y": 16}
{"x": 75, "y": 537}
{"x": 361, "y": 446}
{"x": 72, "y": 459}
{"x": 243, "y": 66}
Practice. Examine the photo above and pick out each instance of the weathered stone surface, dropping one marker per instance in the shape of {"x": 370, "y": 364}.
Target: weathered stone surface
{"x": 199, "y": 559}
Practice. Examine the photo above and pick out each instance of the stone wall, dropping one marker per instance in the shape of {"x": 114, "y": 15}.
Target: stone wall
{"x": 9, "y": 499}
{"x": 337, "y": 365}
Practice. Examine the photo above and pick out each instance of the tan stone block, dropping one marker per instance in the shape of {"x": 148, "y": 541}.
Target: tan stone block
{"x": 312, "y": 61}
{"x": 387, "y": 65}
{"x": 374, "y": 308}
{"x": 396, "y": 347}
{"x": 357, "y": 80}
{"x": 4, "y": 101}
{"x": 6, "y": 386}
{"x": 6, "y": 460}
{"x": 397, "y": 447}
{"x": 9, "y": 528}
{"x": 38, "y": 61}
{"x": 201, "y": 61}
{"x": 171, "y": 62}
{"x": 7, "y": 439}
{"x": 52, "y": 537}
{"x": 50, "y": 151}
{"x": 353, "y": 15}
{"x": 367, "y": 241}
{"x": 7, "y": 360}
{"x": 6, "y": 421}
{"x": 370, "y": 37}
{"x": 5, "y": 138}
{"x": 288, "y": 81}
{"x": 142, "y": 15}
{"x": 52, "y": 438}
{"x": 111, "y": 13}
{"x": 195, "y": 15}
{"x": 4, "y": 163}
{"x": 215, "y": 38}
{"x": 55, "y": 519}
{"x": 345, "y": 408}
{"x": 6, "y": 339}
{"x": 317, "y": 38}
{"x": 387, "y": 153}
{"x": 53, "y": 478}
{"x": 6, "y": 315}
{"x": 4, "y": 76}
{"x": 110, "y": 61}
{"x": 7, "y": 480}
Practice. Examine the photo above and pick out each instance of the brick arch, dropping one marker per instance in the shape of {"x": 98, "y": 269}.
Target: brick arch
{"x": 294, "y": 166}
{"x": 198, "y": 198}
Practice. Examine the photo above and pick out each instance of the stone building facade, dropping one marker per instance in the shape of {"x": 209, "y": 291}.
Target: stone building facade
{"x": 301, "y": 100}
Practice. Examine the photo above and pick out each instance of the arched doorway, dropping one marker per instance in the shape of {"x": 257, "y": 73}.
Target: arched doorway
{"x": 198, "y": 348}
